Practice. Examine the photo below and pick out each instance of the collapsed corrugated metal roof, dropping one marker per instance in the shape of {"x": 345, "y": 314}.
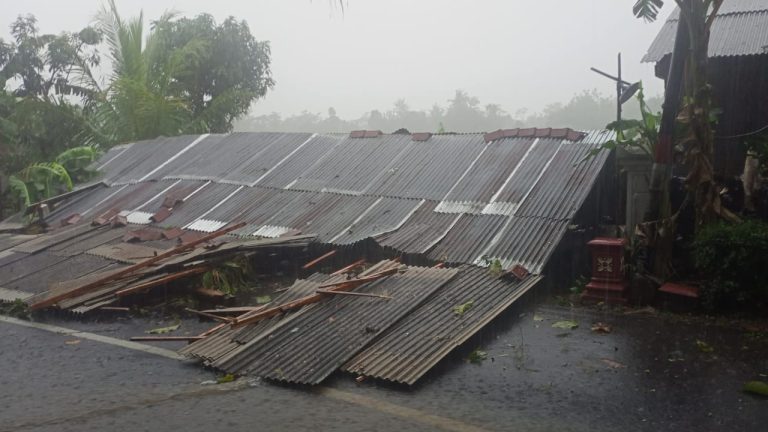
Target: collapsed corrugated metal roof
{"x": 408, "y": 349}
{"x": 462, "y": 197}
{"x": 740, "y": 28}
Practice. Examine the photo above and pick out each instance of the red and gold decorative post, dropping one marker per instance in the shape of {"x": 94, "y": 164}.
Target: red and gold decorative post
{"x": 608, "y": 283}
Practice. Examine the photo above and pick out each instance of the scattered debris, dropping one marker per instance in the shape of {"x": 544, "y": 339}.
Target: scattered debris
{"x": 537, "y": 317}
{"x": 704, "y": 347}
{"x": 72, "y": 341}
{"x": 600, "y": 327}
{"x": 567, "y": 325}
{"x": 463, "y": 308}
{"x": 477, "y": 356}
{"x": 163, "y": 330}
{"x": 646, "y": 310}
{"x": 225, "y": 379}
{"x": 613, "y": 363}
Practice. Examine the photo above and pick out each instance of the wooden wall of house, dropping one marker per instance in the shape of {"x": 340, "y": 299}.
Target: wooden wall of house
{"x": 740, "y": 89}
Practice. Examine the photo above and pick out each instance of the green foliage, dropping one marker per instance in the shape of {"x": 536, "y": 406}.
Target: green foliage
{"x": 634, "y": 135}
{"x": 77, "y": 161}
{"x": 16, "y": 309}
{"x": 579, "y": 285}
{"x": 477, "y": 356}
{"x": 229, "y": 278}
{"x": 183, "y": 76}
{"x": 463, "y": 308}
{"x": 647, "y": 9}
{"x": 731, "y": 259}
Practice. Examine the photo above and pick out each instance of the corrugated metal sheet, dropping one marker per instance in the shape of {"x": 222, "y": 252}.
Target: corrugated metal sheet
{"x": 226, "y": 342}
{"x": 468, "y": 238}
{"x": 351, "y": 165}
{"x": 239, "y": 158}
{"x": 529, "y": 177}
{"x": 300, "y": 162}
{"x": 36, "y": 273}
{"x": 531, "y": 169}
{"x": 525, "y": 241}
{"x": 8, "y": 241}
{"x": 85, "y": 241}
{"x": 741, "y": 28}
{"x": 308, "y": 347}
{"x": 428, "y": 169}
{"x": 129, "y": 253}
{"x": 142, "y": 158}
{"x": 421, "y": 231}
{"x": 410, "y": 348}
{"x": 385, "y": 215}
{"x": 323, "y": 214}
{"x": 199, "y": 204}
{"x": 490, "y": 171}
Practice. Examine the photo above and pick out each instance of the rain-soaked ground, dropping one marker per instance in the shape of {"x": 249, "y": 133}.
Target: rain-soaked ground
{"x": 653, "y": 371}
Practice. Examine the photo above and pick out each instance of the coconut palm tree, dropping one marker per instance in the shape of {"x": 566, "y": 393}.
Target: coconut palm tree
{"x": 138, "y": 102}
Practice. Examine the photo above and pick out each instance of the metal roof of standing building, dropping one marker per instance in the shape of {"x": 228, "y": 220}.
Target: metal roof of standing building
{"x": 455, "y": 197}
{"x": 740, "y": 28}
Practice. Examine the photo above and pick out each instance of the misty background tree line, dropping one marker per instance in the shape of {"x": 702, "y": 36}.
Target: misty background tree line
{"x": 589, "y": 109}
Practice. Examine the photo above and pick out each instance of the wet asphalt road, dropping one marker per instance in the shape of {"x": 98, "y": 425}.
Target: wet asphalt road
{"x": 648, "y": 374}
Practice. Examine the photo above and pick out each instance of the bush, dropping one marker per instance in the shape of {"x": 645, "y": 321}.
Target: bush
{"x": 733, "y": 259}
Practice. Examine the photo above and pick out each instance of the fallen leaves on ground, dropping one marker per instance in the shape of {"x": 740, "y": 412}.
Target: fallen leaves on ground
{"x": 613, "y": 363}
{"x": 757, "y": 387}
{"x": 568, "y": 325}
{"x": 163, "y": 330}
{"x": 704, "y": 347}
{"x": 600, "y": 327}
{"x": 477, "y": 356}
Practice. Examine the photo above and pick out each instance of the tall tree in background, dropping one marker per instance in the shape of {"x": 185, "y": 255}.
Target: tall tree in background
{"x": 184, "y": 76}
{"x": 229, "y": 71}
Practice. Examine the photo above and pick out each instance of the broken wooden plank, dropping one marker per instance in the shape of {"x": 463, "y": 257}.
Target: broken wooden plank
{"x": 165, "y": 338}
{"x": 314, "y": 298}
{"x": 385, "y": 297}
{"x": 161, "y": 281}
{"x": 209, "y": 315}
{"x": 50, "y": 301}
{"x": 319, "y": 259}
{"x": 349, "y": 268}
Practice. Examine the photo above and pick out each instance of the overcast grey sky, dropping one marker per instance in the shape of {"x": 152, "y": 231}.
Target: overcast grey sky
{"x": 517, "y": 53}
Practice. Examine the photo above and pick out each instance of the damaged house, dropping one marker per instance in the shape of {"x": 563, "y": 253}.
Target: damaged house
{"x": 456, "y": 227}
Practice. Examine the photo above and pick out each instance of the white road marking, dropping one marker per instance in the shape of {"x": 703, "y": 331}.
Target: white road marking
{"x": 94, "y": 337}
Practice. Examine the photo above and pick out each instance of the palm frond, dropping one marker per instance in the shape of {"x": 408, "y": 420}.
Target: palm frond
{"x": 647, "y": 9}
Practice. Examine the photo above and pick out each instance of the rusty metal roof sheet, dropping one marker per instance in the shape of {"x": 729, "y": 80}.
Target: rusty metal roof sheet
{"x": 309, "y": 346}
{"x": 410, "y": 348}
{"x": 129, "y": 253}
{"x": 740, "y": 28}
